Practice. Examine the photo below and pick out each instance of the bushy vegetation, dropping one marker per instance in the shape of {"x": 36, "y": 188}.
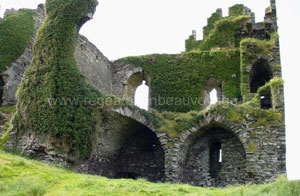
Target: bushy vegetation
{"x": 16, "y": 30}
{"x": 19, "y": 176}
{"x": 54, "y": 75}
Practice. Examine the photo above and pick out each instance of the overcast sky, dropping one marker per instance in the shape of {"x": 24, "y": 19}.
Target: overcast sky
{"x": 135, "y": 27}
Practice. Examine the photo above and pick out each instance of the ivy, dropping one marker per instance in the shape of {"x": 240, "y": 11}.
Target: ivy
{"x": 53, "y": 98}
{"x": 227, "y": 33}
{"x": 182, "y": 77}
{"x": 211, "y": 21}
{"x": 237, "y": 10}
{"x": 16, "y": 30}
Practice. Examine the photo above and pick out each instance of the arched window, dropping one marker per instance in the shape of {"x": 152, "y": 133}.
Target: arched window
{"x": 215, "y": 158}
{"x": 141, "y": 98}
{"x": 213, "y": 96}
{"x": 260, "y": 74}
{"x": 137, "y": 90}
{"x": 212, "y": 92}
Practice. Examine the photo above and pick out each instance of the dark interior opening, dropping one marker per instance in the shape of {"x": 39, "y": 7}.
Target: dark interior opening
{"x": 141, "y": 156}
{"x": 213, "y": 156}
{"x": 260, "y": 74}
{"x": 266, "y": 99}
{"x": 127, "y": 175}
{"x": 215, "y": 164}
{"x": 266, "y": 102}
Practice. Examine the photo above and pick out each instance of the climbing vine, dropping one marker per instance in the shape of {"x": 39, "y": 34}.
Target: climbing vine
{"x": 53, "y": 98}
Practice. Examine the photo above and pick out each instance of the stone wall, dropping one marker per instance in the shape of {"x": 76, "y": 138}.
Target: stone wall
{"x": 94, "y": 65}
{"x": 264, "y": 150}
{"x": 126, "y": 79}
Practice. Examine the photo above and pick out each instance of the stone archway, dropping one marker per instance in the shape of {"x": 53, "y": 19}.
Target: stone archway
{"x": 128, "y": 146}
{"x": 214, "y": 157}
{"x": 188, "y": 138}
{"x": 140, "y": 156}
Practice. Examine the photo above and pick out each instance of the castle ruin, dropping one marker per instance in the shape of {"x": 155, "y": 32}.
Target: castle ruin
{"x": 182, "y": 138}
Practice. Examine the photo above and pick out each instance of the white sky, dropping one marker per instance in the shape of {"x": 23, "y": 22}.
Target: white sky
{"x": 136, "y": 27}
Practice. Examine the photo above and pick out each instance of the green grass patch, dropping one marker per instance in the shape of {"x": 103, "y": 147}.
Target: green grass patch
{"x": 20, "y": 176}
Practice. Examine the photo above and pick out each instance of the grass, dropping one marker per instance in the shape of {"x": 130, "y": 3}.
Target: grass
{"x": 8, "y": 109}
{"x": 20, "y": 176}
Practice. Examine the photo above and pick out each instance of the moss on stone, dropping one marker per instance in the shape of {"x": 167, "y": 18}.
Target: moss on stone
{"x": 173, "y": 123}
{"x": 5, "y": 137}
{"x": 211, "y": 21}
{"x": 237, "y": 10}
{"x": 252, "y": 147}
{"x": 226, "y": 33}
{"x": 191, "y": 43}
{"x": 251, "y": 50}
{"x": 276, "y": 87}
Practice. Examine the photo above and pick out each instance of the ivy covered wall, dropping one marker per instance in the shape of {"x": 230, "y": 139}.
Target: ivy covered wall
{"x": 53, "y": 98}
{"x": 177, "y": 81}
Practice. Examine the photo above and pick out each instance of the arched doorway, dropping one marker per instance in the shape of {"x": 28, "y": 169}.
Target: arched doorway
{"x": 212, "y": 92}
{"x": 141, "y": 97}
{"x": 141, "y": 156}
{"x": 215, "y": 157}
{"x": 135, "y": 81}
{"x": 213, "y": 97}
{"x": 126, "y": 149}
{"x": 261, "y": 72}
